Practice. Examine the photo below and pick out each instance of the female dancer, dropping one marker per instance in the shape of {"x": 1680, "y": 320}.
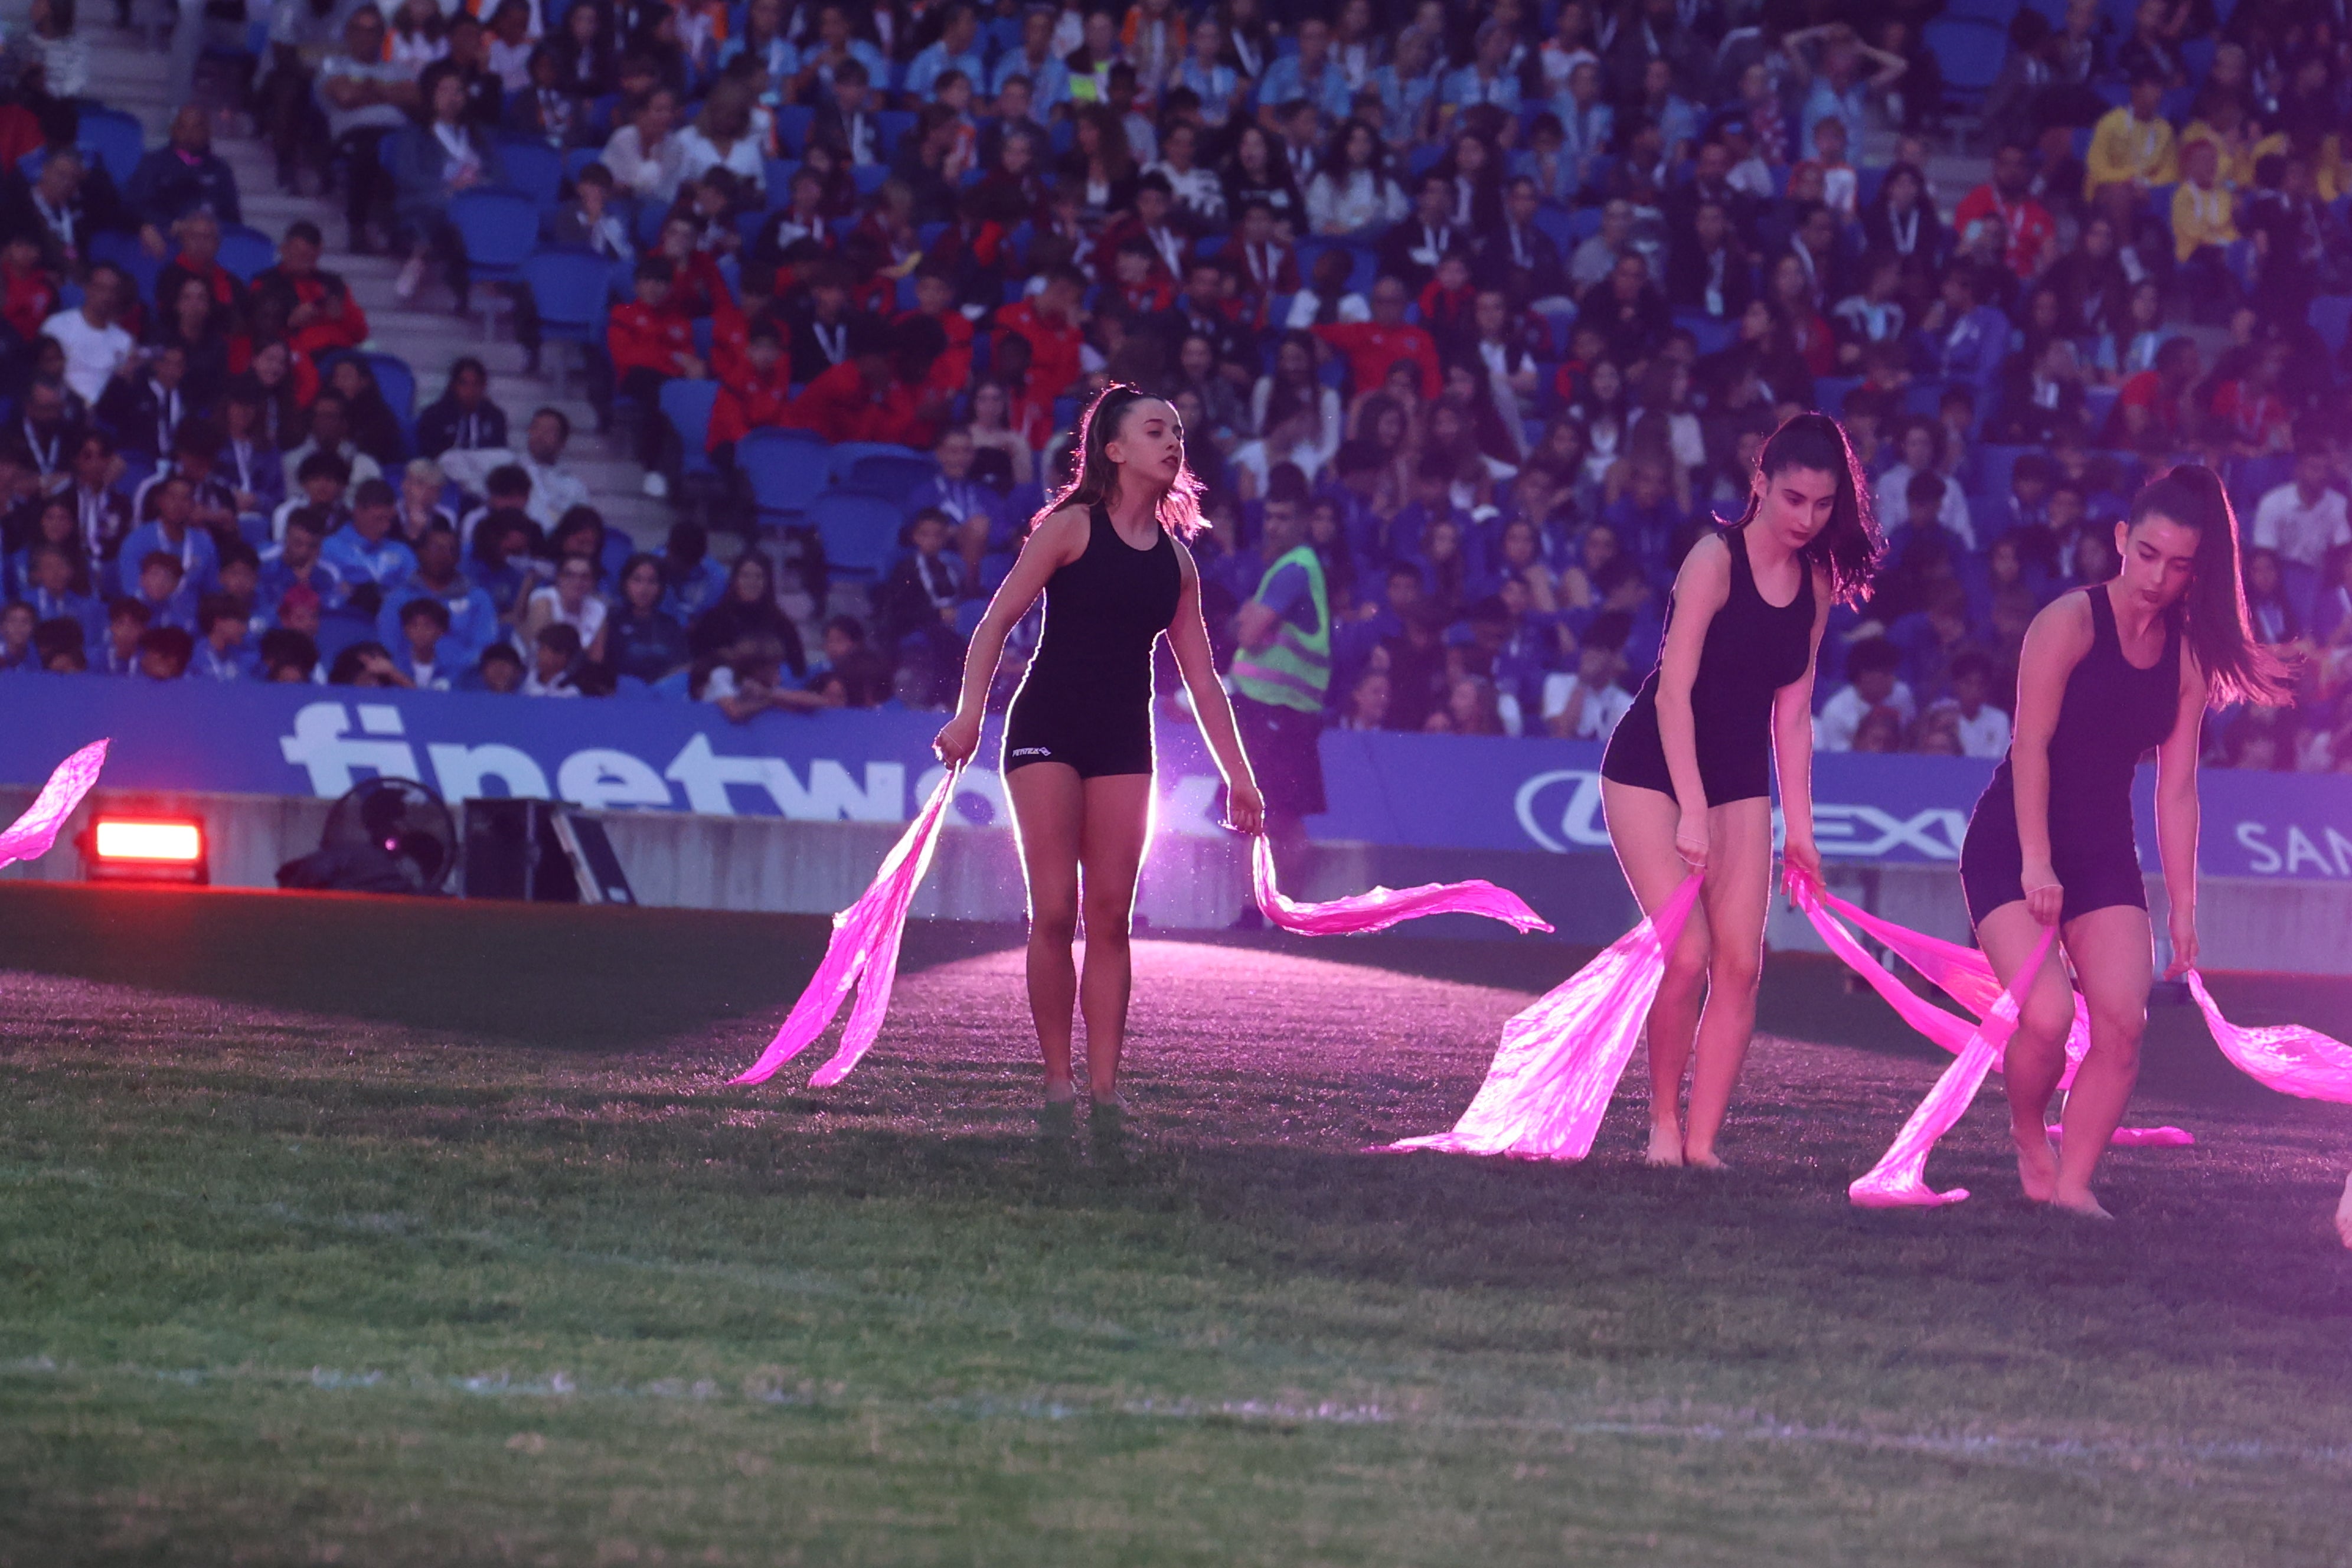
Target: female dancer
{"x": 1108, "y": 554}
{"x": 2108, "y": 672}
{"x": 1685, "y": 781}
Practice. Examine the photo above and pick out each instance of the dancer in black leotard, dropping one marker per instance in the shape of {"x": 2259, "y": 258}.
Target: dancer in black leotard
{"x": 1687, "y": 780}
{"x": 1108, "y": 554}
{"x": 2106, "y": 675}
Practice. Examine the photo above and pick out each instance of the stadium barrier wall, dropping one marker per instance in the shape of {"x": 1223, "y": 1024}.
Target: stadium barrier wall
{"x": 773, "y": 864}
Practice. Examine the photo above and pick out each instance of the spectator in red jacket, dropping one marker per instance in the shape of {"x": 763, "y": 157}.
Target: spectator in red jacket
{"x": 935, "y": 301}
{"x": 878, "y": 393}
{"x": 1373, "y": 346}
{"x": 755, "y": 392}
{"x": 1052, "y": 321}
{"x": 321, "y": 314}
{"x": 650, "y": 342}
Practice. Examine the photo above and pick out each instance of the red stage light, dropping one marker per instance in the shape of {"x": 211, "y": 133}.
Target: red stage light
{"x": 145, "y": 849}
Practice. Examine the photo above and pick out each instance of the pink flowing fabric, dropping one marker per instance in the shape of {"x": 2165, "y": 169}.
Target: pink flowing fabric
{"x": 2287, "y": 1058}
{"x": 31, "y": 834}
{"x": 864, "y": 953}
{"x": 1384, "y": 907}
{"x": 1899, "y": 1179}
{"x": 1562, "y": 1058}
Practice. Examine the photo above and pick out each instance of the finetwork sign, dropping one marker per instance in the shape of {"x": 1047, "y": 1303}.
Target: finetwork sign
{"x": 874, "y": 765}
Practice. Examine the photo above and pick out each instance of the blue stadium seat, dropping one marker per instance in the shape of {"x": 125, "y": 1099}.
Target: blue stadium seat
{"x": 578, "y": 159}
{"x": 115, "y": 139}
{"x": 859, "y": 531}
{"x": 1968, "y": 51}
{"x": 786, "y": 471}
{"x": 536, "y": 170}
{"x": 687, "y": 406}
{"x": 793, "y": 124}
{"x": 499, "y": 229}
{"x": 869, "y": 178}
{"x": 891, "y": 475}
{"x": 246, "y": 251}
{"x": 2331, "y": 317}
{"x": 1830, "y": 391}
{"x": 844, "y": 456}
{"x": 1712, "y": 333}
{"x": 1560, "y": 224}
{"x": 1994, "y": 465}
{"x": 889, "y": 126}
{"x": 571, "y": 286}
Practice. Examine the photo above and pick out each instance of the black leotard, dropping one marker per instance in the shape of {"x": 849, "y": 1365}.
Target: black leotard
{"x": 1752, "y": 650}
{"x": 1087, "y": 699}
{"x": 2112, "y": 714}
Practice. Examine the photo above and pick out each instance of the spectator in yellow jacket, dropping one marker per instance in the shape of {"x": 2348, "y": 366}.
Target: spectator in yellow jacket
{"x": 2204, "y": 223}
{"x": 2131, "y": 149}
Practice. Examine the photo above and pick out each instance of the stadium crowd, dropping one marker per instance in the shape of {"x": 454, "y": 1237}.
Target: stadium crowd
{"x": 1495, "y": 301}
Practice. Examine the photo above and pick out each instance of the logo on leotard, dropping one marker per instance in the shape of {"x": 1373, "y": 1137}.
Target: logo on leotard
{"x": 1032, "y": 751}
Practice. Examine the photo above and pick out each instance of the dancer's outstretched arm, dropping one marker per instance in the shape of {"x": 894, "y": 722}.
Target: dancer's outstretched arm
{"x": 1212, "y": 710}
{"x": 1051, "y": 545}
{"x": 1793, "y": 747}
{"x": 2177, "y": 815}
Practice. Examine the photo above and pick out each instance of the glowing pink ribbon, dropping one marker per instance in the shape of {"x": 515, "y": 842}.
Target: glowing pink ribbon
{"x": 31, "y": 834}
{"x": 1384, "y": 907}
{"x": 864, "y": 953}
{"x": 1560, "y": 1058}
{"x": 1899, "y": 1179}
{"x": 2287, "y": 1058}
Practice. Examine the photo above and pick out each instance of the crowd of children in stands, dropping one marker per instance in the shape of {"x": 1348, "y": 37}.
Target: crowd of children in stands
{"x": 1501, "y": 297}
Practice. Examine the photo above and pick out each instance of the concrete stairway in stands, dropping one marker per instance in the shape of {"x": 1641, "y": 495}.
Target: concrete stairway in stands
{"x": 425, "y": 332}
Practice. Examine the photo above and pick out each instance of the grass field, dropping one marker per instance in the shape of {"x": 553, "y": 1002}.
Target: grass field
{"x": 360, "y": 1233}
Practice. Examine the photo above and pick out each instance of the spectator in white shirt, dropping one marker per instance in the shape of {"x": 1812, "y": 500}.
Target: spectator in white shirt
{"x": 1871, "y": 684}
{"x": 555, "y": 654}
{"x": 1921, "y": 449}
{"x": 96, "y": 349}
{"x": 2304, "y": 519}
{"x": 1982, "y": 728}
{"x": 1587, "y": 704}
{"x": 554, "y": 491}
{"x": 647, "y": 159}
{"x": 570, "y": 601}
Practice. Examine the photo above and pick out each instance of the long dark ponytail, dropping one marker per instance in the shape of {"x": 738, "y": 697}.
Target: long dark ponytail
{"x": 1851, "y": 547}
{"x": 2213, "y": 612}
{"x": 1095, "y": 481}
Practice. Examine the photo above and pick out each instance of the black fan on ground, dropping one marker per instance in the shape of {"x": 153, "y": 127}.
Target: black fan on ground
{"x": 387, "y": 835}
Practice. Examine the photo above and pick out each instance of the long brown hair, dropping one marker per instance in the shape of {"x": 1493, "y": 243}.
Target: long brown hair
{"x": 1851, "y": 547}
{"x": 1096, "y": 480}
{"x": 2213, "y": 611}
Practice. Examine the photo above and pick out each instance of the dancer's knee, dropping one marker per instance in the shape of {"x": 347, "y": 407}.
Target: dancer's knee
{"x": 2116, "y": 1030}
{"x": 1735, "y": 971}
{"x": 1054, "y": 921}
{"x": 1109, "y": 919}
{"x": 1686, "y": 972}
{"x": 2044, "y": 1022}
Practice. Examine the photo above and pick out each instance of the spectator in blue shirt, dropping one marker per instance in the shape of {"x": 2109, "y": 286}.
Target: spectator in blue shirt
{"x": 691, "y": 580}
{"x": 221, "y": 654}
{"x": 1645, "y": 516}
{"x": 642, "y": 639}
{"x": 420, "y": 653}
{"x": 247, "y": 462}
{"x": 1835, "y": 87}
{"x": 165, "y": 653}
{"x": 49, "y": 568}
{"x": 1049, "y": 79}
{"x": 1203, "y": 70}
{"x": 1970, "y": 338}
{"x": 835, "y": 43}
{"x": 1487, "y": 79}
{"x": 471, "y": 620}
{"x": 16, "y": 625}
{"x": 1408, "y": 87}
{"x": 297, "y": 560}
{"x": 957, "y": 49}
{"x": 174, "y": 533}
{"x": 363, "y": 551}
{"x": 158, "y": 590}
{"x": 1311, "y": 75}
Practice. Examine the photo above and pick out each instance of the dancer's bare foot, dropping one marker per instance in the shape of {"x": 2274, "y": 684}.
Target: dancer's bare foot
{"x": 1704, "y": 1160}
{"x": 2079, "y": 1204}
{"x": 2037, "y": 1162}
{"x": 1666, "y": 1151}
{"x": 1109, "y": 1103}
{"x": 1061, "y": 1092}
